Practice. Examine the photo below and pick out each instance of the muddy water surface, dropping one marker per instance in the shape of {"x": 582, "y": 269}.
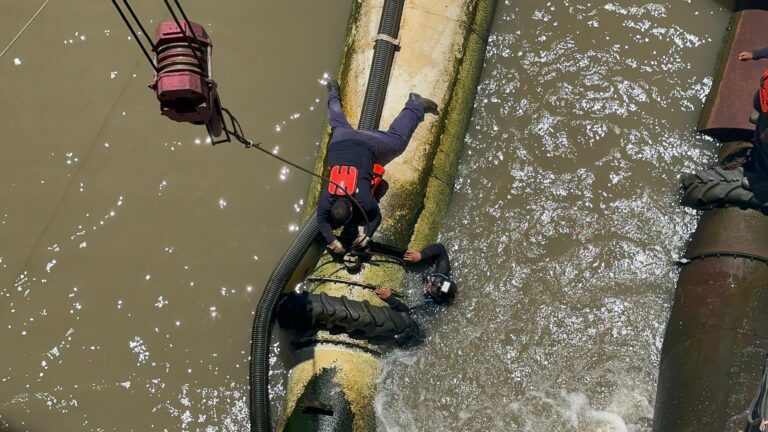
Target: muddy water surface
{"x": 565, "y": 224}
{"x": 131, "y": 253}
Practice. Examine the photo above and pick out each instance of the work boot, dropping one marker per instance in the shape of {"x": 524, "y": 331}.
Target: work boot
{"x": 333, "y": 85}
{"x": 753, "y": 117}
{"x": 430, "y": 106}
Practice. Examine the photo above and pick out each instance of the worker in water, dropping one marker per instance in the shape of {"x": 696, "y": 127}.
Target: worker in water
{"x": 753, "y": 55}
{"x": 439, "y": 287}
{"x": 352, "y": 155}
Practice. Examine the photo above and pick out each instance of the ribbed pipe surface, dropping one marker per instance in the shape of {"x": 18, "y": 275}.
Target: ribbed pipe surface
{"x": 383, "y": 54}
{"x": 264, "y": 320}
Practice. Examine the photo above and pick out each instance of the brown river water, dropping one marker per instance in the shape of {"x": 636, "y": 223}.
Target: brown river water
{"x": 132, "y": 253}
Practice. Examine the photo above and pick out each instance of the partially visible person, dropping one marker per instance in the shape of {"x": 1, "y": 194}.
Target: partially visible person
{"x": 439, "y": 287}
{"x": 754, "y": 55}
{"x": 756, "y": 170}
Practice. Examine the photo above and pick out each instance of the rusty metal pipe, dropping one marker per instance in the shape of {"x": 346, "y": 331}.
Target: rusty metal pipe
{"x": 717, "y": 335}
{"x": 718, "y": 331}
{"x": 725, "y": 115}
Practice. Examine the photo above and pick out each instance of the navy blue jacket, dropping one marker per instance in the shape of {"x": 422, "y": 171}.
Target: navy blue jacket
{"x": 760, "y": 53}
{"x": 359, "y": 155}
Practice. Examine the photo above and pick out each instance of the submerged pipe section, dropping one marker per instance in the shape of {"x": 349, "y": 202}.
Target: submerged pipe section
{"x": 725, "y": 115}
{"x": 326, "y": 403}
{"x": 717, "y": 335}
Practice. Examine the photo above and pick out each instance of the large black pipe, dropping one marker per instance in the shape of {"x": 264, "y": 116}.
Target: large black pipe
{"x": 373, "y": 105}
{"x": 383, "y": 54}
{"x": 264, "y": 321}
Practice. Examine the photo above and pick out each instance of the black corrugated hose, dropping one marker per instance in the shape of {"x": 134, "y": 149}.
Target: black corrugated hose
{"x": 373, "y": 104}
{"x": 383, "y": 53}
{"x": 265, "y": 319}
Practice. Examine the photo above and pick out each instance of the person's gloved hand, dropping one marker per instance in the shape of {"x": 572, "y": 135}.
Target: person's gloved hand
{"x": 336, "y": 247}
{"x": 361, "y": 241}
{"x": 332, "y": 85}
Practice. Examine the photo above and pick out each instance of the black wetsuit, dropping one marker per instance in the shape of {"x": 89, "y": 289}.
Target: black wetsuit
{"x": 436, "y": 255}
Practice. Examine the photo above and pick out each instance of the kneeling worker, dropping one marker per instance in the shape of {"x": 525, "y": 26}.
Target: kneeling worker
{"x": 439, "y": 287}
{"x": 352, "y": 156}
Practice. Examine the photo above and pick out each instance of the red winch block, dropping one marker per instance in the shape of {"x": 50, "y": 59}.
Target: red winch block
{"x": 183, "y": 82}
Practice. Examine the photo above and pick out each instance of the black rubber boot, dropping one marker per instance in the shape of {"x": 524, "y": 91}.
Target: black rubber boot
{"x": 380, "y": 190}
{"x": 430, "y": 106}
{"x": 332, "y": 85}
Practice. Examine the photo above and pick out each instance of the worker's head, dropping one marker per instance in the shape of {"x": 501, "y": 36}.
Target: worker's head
{"x": 341, "y": 212}
{"x": 440, "y": 288}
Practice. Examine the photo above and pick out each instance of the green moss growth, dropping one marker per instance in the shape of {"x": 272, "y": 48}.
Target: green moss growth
{"x": 379, "y": 272}
{"x": 413, "y": 210}
{"x": 458, "y": 115}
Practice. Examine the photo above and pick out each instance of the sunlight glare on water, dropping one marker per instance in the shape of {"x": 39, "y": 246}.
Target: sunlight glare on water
{"x": 132, "y": 252}
{"x": 564, "y": 226}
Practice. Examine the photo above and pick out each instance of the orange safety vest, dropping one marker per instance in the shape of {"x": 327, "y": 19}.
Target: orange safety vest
{"x": 346, "y": 177}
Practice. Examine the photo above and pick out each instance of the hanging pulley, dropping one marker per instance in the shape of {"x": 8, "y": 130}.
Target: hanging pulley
{"x": 183, "y": 83}
{"x": 182, "y": 63}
